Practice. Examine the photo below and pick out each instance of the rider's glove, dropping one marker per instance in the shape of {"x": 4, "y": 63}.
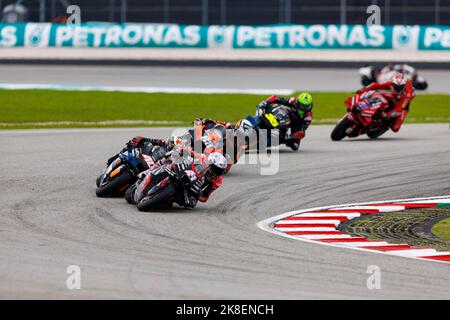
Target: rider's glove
{"x": 260, "y": 112}
{"x": 262, "y": 104}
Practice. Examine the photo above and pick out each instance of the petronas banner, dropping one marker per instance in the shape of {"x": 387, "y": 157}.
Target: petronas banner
{"x": 228, "y": 37}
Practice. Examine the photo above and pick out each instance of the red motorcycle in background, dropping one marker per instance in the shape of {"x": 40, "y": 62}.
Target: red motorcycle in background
{"x": 365, "y": 116}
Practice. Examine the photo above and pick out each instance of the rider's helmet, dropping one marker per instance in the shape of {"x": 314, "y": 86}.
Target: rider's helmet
{"x": 243, "y": 127}
{"x": 399, "y": 82}
{"x": 173, "y": 142}
{"x": 217, "y": 165}
{"x": 305, "y": 102}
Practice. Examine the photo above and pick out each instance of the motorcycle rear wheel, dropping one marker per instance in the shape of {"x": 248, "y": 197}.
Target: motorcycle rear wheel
{"x": 116, "y": 186}
{"x": 339, "y": 132}
{"x": 420, "y": 85}
{"x": 157, "y": 200}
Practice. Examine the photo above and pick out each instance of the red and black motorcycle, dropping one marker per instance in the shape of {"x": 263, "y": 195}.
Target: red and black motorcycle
{"x": 364, "y": 116}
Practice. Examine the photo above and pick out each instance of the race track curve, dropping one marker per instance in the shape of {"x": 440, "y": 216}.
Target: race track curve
{"x": 50, "y": 219}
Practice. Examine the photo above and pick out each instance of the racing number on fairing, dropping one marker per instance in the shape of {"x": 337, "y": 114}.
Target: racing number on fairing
{"x": 273, "y": 121}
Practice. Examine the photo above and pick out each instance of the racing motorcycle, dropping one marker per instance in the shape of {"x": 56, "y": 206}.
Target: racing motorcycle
{"x": 213, "y": 139}
{"x": 162, "y": 187}
{"x": 277, "y": 121}
{"x": 371, "y": 74}
{"x": 364, "y": 116}
{"x": 123, "y": 168}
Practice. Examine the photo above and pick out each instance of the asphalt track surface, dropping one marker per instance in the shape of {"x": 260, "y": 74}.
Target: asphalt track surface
{"x": 310, "y": 79}
{"x": 50, "y": 219}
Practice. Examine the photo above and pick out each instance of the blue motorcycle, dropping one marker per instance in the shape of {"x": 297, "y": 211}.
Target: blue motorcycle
{"x": 123, "y": 168}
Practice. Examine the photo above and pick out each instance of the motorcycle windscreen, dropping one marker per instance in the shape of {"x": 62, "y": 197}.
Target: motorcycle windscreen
{"x": 282, "y": 116}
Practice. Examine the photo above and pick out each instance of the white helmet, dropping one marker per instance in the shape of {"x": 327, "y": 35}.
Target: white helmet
{"x": 244, "y": 127}
{"x": 399, "y": 82}
{"x": 217, "y": 164}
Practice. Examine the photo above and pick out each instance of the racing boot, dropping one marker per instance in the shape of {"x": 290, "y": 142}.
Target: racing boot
{"x": 294, "y": 144}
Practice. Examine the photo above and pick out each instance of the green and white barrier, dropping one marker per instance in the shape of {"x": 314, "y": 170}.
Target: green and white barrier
{"x": 107, "y": 35}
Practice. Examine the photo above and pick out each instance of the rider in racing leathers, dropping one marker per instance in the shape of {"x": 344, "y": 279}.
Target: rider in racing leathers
{"x": 208, "y": 172}
{"x": 402, "y": 92}
{"x": 206, "y": 126}
{"x": 140, "y": 142}
{"x": 209, "y": 136}
{"x": 301, "y": 115}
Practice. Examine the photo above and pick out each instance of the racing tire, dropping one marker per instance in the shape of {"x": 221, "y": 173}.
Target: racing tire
{"x": 129, "y": 194}
{"x": 99, "y": 179}
{"x": 116, "y": 186}
{"x": 293, "y": 145}
{"x": 422, "y": 85}
{"x": 339, "y": 132}
{"x": 157, "y": 200}
{"x": 376, "y": 134}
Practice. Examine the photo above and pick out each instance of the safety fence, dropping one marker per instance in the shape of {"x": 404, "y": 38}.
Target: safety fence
{"x": 397, "y": 37}
{"x": 241, "y": 12}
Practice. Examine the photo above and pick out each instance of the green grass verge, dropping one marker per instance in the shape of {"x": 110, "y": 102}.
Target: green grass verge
{"x": 442, "y": 229}
{"x": 25, "y": 107}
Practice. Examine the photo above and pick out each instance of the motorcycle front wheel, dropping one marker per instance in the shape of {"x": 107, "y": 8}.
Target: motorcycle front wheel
{"x": 339, "y": 132}
{"x": 116, "y": 186}
{"x": 99, "y": 180}
{"x": 158, "y": 199}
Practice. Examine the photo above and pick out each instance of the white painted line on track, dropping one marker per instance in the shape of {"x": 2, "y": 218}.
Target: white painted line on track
{"x": 380, "y": 208}
{"x": 32, "y": 86}
{"x": 322, "y": 236}
{"x": 363, "y": 244}
{"x": 93, "y": 123}
{"x": 415, "y": 252}
{"x": 328, "y": 214}
{"x": 304, "y": 229}
{"x": 312, "y": 221}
